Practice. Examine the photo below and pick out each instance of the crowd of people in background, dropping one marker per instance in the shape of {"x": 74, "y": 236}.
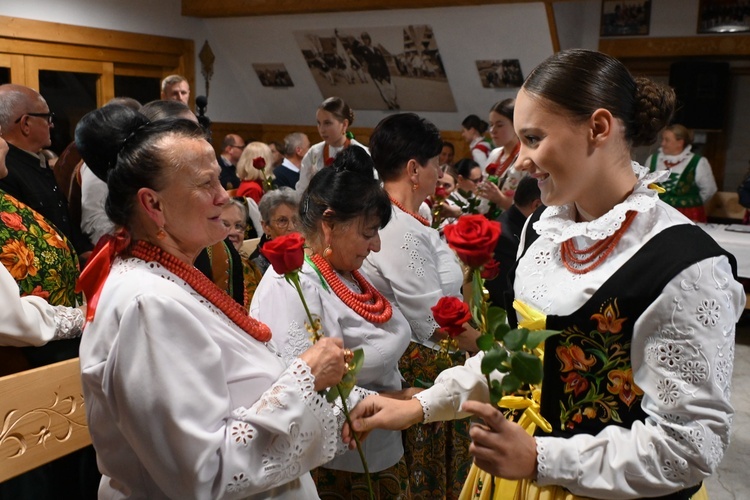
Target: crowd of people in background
{"x": 197, "y": 358}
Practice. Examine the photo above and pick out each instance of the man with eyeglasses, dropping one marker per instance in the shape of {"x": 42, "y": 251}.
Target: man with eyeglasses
{"x": 25, "y": 123}
{"x": 233, "y": 146}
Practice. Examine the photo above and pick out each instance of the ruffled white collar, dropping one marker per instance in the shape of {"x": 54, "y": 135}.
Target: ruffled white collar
{"x": 674, "y": 159}
{"x": 558, "y": 222}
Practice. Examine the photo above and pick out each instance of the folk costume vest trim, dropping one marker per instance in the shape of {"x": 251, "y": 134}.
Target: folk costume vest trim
{"x": 681, "y": 191}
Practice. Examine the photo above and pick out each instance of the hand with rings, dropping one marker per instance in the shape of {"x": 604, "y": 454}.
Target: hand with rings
{"x": 348, "y": 357}
{"x": 324, "y": 359}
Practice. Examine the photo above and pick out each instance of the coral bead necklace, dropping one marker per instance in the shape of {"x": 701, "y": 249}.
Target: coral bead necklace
{"x": 576, "y": 260}
{"x": 371, "y": 304}
{"x": 203, "y": 286}
{"x": 421, "y": 219}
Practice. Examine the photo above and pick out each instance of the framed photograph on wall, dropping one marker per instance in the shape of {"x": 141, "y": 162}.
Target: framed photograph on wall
{"x": 273, "y": 75}
{"x": 623, "y": 18}
{"x": 505, "y": 73}
{"x": 724, "y": 16}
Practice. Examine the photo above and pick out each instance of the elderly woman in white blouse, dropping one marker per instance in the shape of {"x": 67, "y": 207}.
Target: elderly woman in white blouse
{"x": 341, "y": 214}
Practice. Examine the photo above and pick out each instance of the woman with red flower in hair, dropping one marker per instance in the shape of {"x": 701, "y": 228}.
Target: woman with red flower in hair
{"x": 254, "y": 168}
{"x": 341, "y": 214}
{"x": 334, "y": 117}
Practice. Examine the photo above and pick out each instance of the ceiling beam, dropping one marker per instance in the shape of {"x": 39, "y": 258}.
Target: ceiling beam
{"x": 244, "y": 8}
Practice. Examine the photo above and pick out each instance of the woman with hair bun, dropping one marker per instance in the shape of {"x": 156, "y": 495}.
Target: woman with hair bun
{"x": 341, "y": 214}
{"x": 473, "y": 129}
{"x": 334, "y": 117}
{"x": 186, "y": 396}
{"x": 636, "y": 387}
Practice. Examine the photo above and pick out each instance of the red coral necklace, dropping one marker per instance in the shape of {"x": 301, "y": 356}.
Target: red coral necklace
{"x": 204, "y": 286}
{"x": 327, "y": 160}
{"x": 421, "y": 219}
{"x": 576, "y": 260}
{"x": 371, "y": 304}
{"x": 510, "y": 159}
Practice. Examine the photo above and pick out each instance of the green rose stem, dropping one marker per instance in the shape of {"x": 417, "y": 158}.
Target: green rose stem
{"x": 293, "y": 277}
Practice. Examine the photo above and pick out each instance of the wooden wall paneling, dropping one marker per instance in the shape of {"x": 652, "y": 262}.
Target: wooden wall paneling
{"x": 105, "y": 86}
{"x": 17, "y": 68}
{"x": 550, "y": 9}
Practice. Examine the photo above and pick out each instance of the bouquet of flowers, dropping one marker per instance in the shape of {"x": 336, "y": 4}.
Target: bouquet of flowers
{"x": 511, "y": 352}
{"x": 260, "y": 164}
{"x": 286, "y": 254}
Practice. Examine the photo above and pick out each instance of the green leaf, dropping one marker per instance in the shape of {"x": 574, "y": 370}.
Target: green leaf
{"x": 332, "y": 394}
{"x": 357, "y": 361}
{"x": 493, "y": 359}
{"x": 495, "y": 317}
{"x": 496, "y": 392}
{"x": 485, "y": 342}
{"x": 527, "y": 367}
{"x": 510, "y": 384}
{"x": 500, "y": 332}
{"x": 346, "y": 385}
{"x": 537, "y": 337}
{"x": 515, "y": 339}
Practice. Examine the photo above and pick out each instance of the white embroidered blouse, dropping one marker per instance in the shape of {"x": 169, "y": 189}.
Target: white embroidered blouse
{"x": 277, "y": 304}
{"x": 182, "y": 403}
{"x": 313, "y": 161}
{"x": 704, "y": 176}
{"x": 414, "y": 269}
{"x": 682, "y": 353}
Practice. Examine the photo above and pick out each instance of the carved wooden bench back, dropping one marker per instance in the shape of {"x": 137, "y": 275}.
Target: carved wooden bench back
{"x": 42, "y": 417}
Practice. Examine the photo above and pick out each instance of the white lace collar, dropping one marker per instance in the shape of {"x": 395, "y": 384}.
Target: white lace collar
{"x": 558, "y": 222}
{"x": 681, "y": 156}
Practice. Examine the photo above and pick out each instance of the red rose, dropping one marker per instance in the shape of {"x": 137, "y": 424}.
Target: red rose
{"x": 491, "y": 169}
{"x": 451, "y": 313}
{"x": 13, "y": 221}
{"x": 440, "y": 192}
{"x": 259, "y": 163}
{"x": 473, "y": 238}
{"x": 491, "y": 270}
{"x": 285, "y": 253}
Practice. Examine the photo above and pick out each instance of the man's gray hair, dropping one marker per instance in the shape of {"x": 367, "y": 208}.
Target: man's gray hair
{"x": 12, "y": 103}
{"x": 171, "y": 80}
{"x": 292, "y": 142}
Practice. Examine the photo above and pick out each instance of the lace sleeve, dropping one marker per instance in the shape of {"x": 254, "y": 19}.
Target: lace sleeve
{"x": 68, "y": 322}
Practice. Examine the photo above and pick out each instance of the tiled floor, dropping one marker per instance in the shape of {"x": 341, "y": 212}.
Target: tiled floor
{"x": 732, "y": 481}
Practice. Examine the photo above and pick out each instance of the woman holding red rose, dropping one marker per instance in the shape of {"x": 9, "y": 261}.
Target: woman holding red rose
{"x": 413, "y": 269}
{"x": 636, "y": 386}
{"x": 186, "y": 395}
{"x": 341, "y": 214}
{"x": 334, "y": 117}
{"x": 253, "y": 168}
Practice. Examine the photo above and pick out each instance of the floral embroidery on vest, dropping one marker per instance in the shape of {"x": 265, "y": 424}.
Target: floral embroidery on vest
{"x": 596, "y": 370}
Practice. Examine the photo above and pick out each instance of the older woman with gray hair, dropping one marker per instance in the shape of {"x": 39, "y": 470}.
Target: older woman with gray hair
{"x": 278, "y": 216}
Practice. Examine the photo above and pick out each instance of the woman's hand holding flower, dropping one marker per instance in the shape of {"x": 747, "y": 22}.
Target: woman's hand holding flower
{"x": 326, "y": 361}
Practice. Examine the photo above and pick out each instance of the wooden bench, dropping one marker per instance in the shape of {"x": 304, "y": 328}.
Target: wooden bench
{"x": 43, "y": 417}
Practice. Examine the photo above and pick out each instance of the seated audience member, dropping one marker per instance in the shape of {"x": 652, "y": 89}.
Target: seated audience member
{"x": 26, "y": 120}
{"x": 278, "y": 213}
{"x": 175, "y": 88}
{"x": 234, "y": 217}
{"x": 255, "y": 171}
{"x": 295, "y": 148}
{"x": 341, "y": 213}
{"x": 277, "y": 151}
{"x": 691, "y": 181}
{"x": 185, "y": 397}
{"x": 526, "y": 199}
{"x": 233, "y": 145}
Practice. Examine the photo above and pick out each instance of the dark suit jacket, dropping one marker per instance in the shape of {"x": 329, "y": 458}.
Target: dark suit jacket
{"x": 36, "y": 186}
{"x": 511, "y": 221}
{"x": 285, "y": 176}
{"x": 228, "y": 174}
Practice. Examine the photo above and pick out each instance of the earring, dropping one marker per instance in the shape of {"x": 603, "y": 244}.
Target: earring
{"x": 414, "y": 186}
{"x": 327, "y": 252}
{"x": 161, "y": 234}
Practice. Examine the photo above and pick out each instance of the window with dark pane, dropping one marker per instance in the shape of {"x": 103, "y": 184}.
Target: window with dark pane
{"x": 70, "y": 96}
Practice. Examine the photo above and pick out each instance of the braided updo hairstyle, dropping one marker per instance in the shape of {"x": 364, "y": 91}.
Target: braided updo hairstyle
{"x": 125, "y": 149}
{"x": 582, "y": 81}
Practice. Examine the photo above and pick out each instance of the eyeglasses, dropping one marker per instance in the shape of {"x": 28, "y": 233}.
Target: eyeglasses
{"x": 239, "y": 226}
{"x": 238, "y": 147}
{"x": 283, "y": 222}
{"x": 476, "y": 181}
{"x": 49, "y": 116}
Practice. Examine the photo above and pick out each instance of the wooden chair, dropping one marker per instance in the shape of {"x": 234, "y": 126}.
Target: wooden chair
{"x": 249, "y": 246}
{"x": 43, "y": 417}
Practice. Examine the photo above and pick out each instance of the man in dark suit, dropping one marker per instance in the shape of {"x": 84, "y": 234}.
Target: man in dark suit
{"x": 25, "y": 123}
{"x": 233, "y": 146}
{"x": 525, "y": 200}
{"x": 295, "y": 147}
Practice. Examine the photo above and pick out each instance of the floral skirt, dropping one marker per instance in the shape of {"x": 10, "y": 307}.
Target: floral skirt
{"x": 437, "y": 454}
{"x": 391, "y": 483}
